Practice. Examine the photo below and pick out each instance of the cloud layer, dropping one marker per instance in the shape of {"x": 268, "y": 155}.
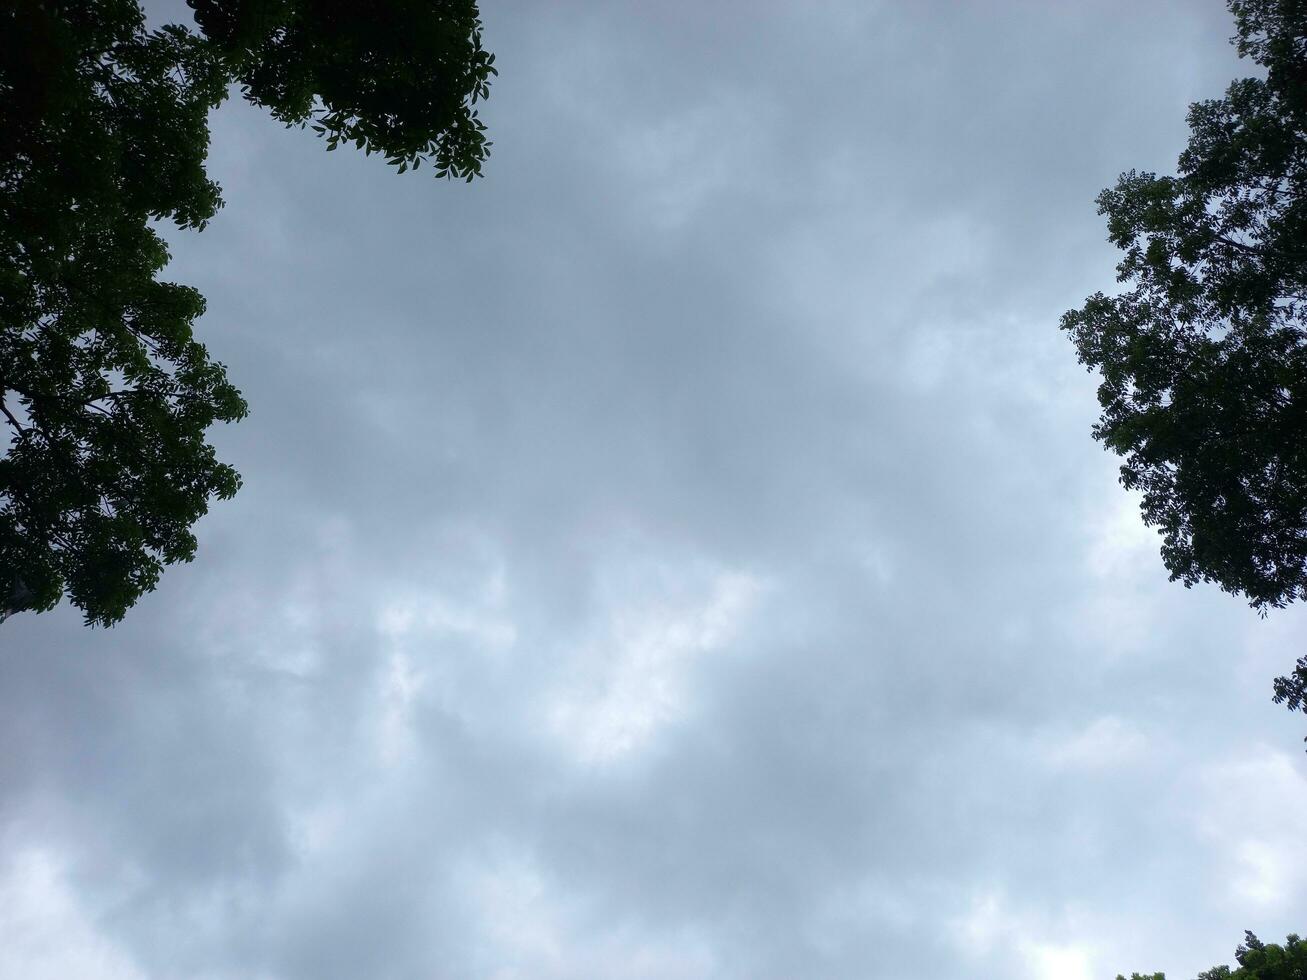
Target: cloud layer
{"x": 680, "y": 554}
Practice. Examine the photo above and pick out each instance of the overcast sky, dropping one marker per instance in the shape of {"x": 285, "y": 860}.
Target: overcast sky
{"x": 679, "y": 554}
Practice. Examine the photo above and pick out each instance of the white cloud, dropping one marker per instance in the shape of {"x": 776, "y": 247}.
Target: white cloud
{"x": 45, "y": 931}
{"x": 1105, "y": 742}
{"x": 1122, "y": 545}
{"x": 533, "y": 928}
{"x": 1058, "y": 961}
{"x": 992, "y": 929}
{"x": 631, "y": 673}
{"x": 399, "y": 689}
{"x": 1250, "y": 807}
{"x": 480, "y": 616}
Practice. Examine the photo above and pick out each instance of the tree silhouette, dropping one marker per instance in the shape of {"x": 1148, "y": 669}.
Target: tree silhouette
{"x": 104, "y": 391}
{"x": 1257, "y": 961}
{"x": 1204, "y": 358}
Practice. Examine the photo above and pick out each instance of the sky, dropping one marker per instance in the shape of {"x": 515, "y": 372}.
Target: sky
{"x": 681, "y": 553}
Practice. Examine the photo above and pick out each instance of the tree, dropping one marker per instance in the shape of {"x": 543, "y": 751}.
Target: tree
{"x": 1291, "y": 691}
{"x": 399, "y": 77}
{"x": 104, "y": 390}
{"x": 1257, "y": 961}
{"x": 1204, "y": 358}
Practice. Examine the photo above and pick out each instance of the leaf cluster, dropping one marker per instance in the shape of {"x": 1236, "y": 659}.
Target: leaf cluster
{"x": 1257, "y": 961}
{"x": 104, "y": 390}
{"x": 1204, "y": 357}
{"x": 400, "y": 78}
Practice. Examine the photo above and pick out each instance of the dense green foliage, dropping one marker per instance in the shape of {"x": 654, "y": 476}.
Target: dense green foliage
{"x": 400, "y": 77}
{"x": 1257, "y": 961}
{"x": 104, "y": 391}
{"x": 1204, "y": 358}
{"x": 1291, "y": 691}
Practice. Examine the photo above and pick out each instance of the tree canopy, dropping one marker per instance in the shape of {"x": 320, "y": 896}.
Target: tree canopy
{"x": 1204, "y": 358}
{"x": 104, "y": 390}
{"x": 1257, "y": 961}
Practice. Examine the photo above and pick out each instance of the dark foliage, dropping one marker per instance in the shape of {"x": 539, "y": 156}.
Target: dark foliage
{"x": 1204, "y": 359}
{"x": 1257, "y": 961}
{"x": 104, "y": 390}
{"x": 1291, "y": 691}
{"x": 399, "y": 77}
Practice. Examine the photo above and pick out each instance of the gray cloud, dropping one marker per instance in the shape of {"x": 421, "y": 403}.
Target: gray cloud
{"x": 678, "y": 554}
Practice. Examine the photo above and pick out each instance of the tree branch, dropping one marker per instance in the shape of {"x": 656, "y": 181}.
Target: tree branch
{"x": 22, "y": 430}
